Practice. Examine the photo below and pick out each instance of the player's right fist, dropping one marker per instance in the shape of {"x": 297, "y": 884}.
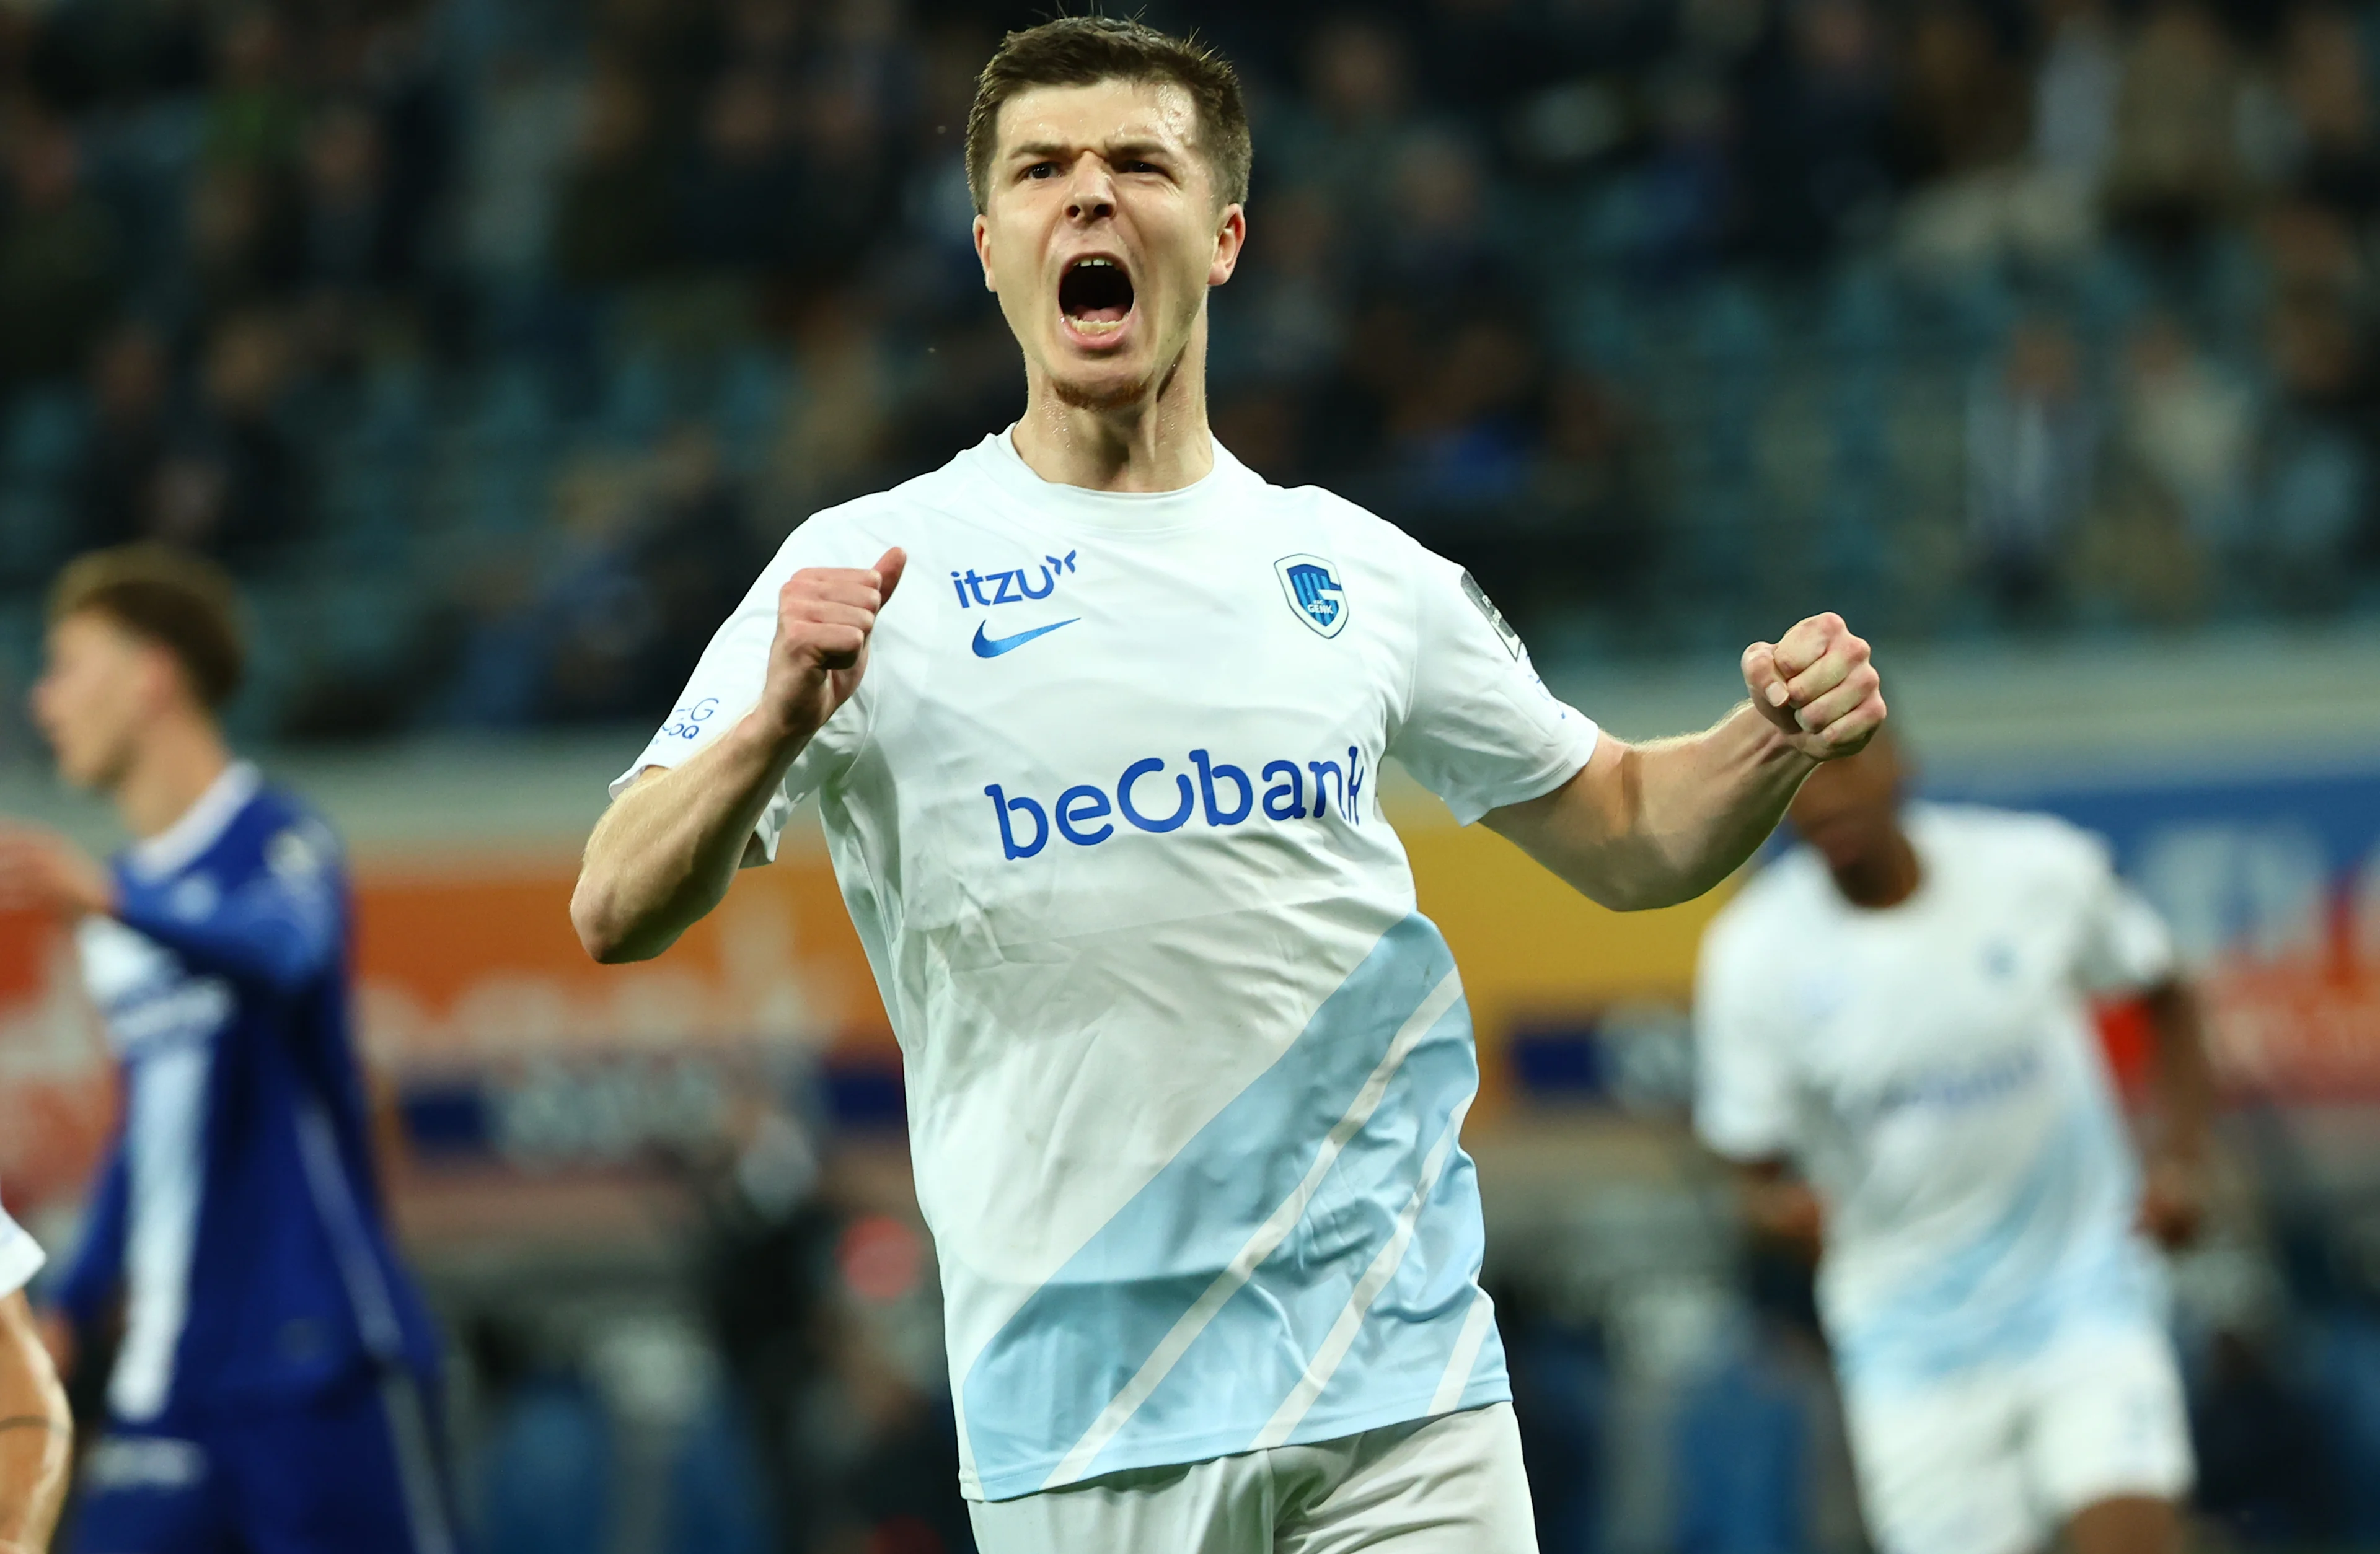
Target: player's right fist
{"x": 825, "y": 616}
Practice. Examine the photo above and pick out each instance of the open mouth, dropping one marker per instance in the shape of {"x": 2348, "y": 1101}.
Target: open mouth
{"x": 1095, "y": 294}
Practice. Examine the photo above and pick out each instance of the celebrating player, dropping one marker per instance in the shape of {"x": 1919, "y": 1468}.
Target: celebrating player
{"x": 1095, "y": 717}
{"x": 1898, "y": 1010}
{"x": 35, "y": 1430}
{"x": 269, "y": 1387}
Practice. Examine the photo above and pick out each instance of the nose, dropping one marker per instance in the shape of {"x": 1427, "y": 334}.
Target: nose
{"x": 1090, "y": 193}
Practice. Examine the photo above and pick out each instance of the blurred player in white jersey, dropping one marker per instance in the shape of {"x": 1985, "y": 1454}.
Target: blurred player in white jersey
{"x": 1896, "y": 1042}
{"x": 1186, "y": 1069}
{"x": 35, "y": 1430}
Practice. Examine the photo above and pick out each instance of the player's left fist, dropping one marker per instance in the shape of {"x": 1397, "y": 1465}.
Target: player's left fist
{"x": 42, "y": 871}
{"x": 1818, "y": 686}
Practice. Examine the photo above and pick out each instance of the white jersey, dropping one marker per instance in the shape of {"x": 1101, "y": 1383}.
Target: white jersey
{"x": 19, "y": 1258}
{"x": 1933, "y": 1069}
{"x": 1185, "y": 1068}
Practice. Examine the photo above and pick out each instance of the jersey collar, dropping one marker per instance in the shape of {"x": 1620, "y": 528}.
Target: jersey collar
{"x": 1133, "y": 511}
{"x": 201, "y": 825}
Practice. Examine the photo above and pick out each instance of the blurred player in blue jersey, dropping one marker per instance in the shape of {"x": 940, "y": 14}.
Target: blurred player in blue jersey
{"x": 1929, "y": 1097}
{"x": 272, "y": 1381}
{"x": 35, "y": 1430}
{"x": 1187, "y": 1069}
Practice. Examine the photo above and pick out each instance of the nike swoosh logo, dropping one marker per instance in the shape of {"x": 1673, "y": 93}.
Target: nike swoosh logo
{"x": 992, "y": 646}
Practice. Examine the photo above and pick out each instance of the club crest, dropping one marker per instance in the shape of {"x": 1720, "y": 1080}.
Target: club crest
{"x": 1315, "y": 592}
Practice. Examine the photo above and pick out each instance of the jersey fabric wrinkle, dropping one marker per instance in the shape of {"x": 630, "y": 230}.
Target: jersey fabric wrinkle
{"x": 1187, "y": 1069}
{"x": 237, "y": 1213}
{"x": 1937, "y": 1077}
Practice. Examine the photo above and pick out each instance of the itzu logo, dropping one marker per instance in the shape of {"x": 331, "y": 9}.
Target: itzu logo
{"x": 1315, "y": 592}
{"x": 1013, "y": 586}
{"x": 1224, "y": 796}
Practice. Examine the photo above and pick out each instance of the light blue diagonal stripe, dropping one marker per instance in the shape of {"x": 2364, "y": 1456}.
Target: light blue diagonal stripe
{"x": 1047, "y": 1376}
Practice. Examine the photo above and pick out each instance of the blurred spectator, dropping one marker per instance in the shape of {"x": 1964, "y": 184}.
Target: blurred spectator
{"x": 115, "y": 486}
{"x": 58, "y": 257}
{"x": 836, "y": 424}
{"x": 742, "y": 201}
{"x": 2032, "y": 466}
{"x": 1594, "y": 495}
{"x": 2175, "y": 168}
{"x": 1962, "y": 102}
{"x": 849, "y": 165}
{"x": 247, "y": 237}
{"x": 346, "y": 242}
{"x": 2075, "y": 89}
{"x": 231, "y": 482}
{"x": 513, "y": 162}
{"x": 2317, "y": 494}
{"x": 1444, "y": 255}
{"x": 254, "y": 119}
{"x": 2189, "y": 431}
{"x": 1815, "y": 147}
{"x": 612, "y": 221}
{"x": 2325, "y": 78}
{"x": 1345, "y": 136}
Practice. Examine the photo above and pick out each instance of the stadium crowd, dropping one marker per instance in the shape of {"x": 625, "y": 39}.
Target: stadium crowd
{"x": 496, "y": 341}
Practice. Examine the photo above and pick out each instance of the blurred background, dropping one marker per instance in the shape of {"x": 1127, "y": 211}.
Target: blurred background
{"x": 494, "y": 344}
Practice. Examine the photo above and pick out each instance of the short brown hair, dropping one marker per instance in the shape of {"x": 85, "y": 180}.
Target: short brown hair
{"x": 1084, "y": 51}
{"x": 184, "y": 603}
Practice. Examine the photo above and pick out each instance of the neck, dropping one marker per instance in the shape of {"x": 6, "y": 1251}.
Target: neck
{"x": 1158, "y": 441}
{"x": 179, "y": 759}
{"x": 1884, "y": 876}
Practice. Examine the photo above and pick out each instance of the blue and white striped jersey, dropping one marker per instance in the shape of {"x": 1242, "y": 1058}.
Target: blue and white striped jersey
{"x": 1187, "y": 1069}
{"x": 237, "y": 1215}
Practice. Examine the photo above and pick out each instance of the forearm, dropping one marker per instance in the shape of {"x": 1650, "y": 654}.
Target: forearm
{"x": 2182, "y": 1082}
{"x": 36, "y": 1433}
{"x": 1653, "y": 825}
{"x": 664, "y": 854}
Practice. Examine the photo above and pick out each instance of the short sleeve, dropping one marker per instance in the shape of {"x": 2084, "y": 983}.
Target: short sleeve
{"x": 726, "y": 682}
{"x": 2124, "y": 944}
{"x": 1743, "y": 1083}
{"x": 20, "y": 1257}
{"x": 1481, "y": 730}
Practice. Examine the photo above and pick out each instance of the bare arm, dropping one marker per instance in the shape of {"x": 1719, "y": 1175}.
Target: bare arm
{"x": 36, "y": 1434}
{"x": 665, "y": 852}
{"x": 2182, "y": 1115}
{"x": 1653, "y": 825}
{"x": 1779, "y": 1205}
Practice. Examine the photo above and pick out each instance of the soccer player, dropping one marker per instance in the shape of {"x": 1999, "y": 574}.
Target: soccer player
{"x": 1096, "y": 717}
{"x": 268, "y": 1387}
{"x": 35, "y": 1428}
{"x": 1896, "y": 1044}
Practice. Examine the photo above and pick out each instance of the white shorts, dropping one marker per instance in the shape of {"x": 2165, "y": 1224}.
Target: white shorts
{"x": 1997, "y": 1459}
{"x": 1452, "y": 1485}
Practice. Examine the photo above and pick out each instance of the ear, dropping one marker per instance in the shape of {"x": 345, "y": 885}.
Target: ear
{"x": 1231, "y": 237}
{"x": 983, "y": 252}
{"x": 163, "y": 683}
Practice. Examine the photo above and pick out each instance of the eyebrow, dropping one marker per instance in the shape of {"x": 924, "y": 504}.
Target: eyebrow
{"x": 1141, "y": 147}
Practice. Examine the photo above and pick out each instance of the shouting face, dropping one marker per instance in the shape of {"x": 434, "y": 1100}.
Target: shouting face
{"x": 1102, "y": 232}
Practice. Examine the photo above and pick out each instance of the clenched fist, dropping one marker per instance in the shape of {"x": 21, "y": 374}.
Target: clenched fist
{"x": 1818, "y": 686}
{"x": 42, "y": 871}
{"x": 825, "y": 616}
